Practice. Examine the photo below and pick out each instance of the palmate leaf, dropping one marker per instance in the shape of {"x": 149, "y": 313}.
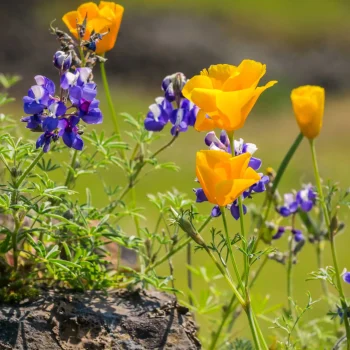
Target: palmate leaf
{"x": 9, "y": 80}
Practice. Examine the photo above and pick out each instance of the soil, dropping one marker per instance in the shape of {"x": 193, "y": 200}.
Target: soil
{"x": 96, "y": 320}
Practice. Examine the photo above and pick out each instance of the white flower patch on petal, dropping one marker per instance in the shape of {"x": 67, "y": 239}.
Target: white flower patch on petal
{"x": 288, "y": 198}
{"x": 84, "y": 74}
{"x": 238, "y": 146}
{"x": 38, "y": 92}
{"x": 160, "y": 100}
{"x": 179, "y": 116}
{"x": 156, "y": 111}
{"x": 251, "y": 148}
{"x": 213, "y": 147}
{"x": 40, "y": 79}
{"x": 304, "y": 194}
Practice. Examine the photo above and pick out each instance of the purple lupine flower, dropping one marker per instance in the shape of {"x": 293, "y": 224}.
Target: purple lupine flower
{"x": 173, "y": 84}
{"x": 69, "y": 79}
{"x": 235, "y": 209}
{"x": 62, "y": 60}
{"x": 261, "y": 185}
{"x": 306, "y": 198}
{"x": 216, "y": 211}
{"x": 346, "y": 277}
{"x": 83, "y": 97}
{"x": 158, "y": 115}
{"x": 298, "y": 236}
{"x": 34, "y": 122}
{"x": 173, "y": 107}
{"x": 56, "y": 110}
{"x": 290, "y": 205}
{"x": 45, "y": 140}
{"x": 280, "y": 231}
{"x": 39, "y": 96}
{"x": 70, "y": 132}
{"x": 200, "y": 195}
{"x": 183, "y": 117}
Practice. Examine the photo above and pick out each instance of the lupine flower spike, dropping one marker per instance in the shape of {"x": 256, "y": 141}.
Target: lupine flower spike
{"x": 173, "y": 107}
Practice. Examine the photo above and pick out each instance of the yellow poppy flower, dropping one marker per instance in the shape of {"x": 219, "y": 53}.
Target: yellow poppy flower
{"x": 226, "y": 94}
{"x": 223, "y": 177}
{"x": 106, "y": 16}
{"x": 308, "y": 105}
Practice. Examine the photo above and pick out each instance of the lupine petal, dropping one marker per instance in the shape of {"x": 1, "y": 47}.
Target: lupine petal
{"x": 215, "y": 212}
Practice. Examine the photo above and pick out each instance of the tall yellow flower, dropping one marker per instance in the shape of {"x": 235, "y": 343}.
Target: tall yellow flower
{"x": 106, "y": 16}
{"x": 226, "y": 94}
{"x": 308, "y": 106}
{"x": 223, "y": 177}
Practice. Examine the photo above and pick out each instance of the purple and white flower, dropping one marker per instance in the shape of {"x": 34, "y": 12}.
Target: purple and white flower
{"x": 49, "y": 113}
{"x": 173, "y": 107}
{"x": 346, "y": 277}
{"x": 290, "y": 205}
{"x": 298, "y": 235}
{"x": 306, "y": 198}
{"x": 62, "y": 60}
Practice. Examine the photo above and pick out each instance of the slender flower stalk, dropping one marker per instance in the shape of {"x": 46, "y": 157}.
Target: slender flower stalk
{"x": 281, "y": 170}
{"x": 331, "y": 240}
{"x": 111, "y": 105}
{"x": 289, "y": 275}
{"x": 189, "y": 272}
{"x": 71, "y": 170}
{"x": 229, "y": 247}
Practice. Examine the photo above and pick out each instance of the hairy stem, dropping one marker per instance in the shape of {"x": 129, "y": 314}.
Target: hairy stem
{"x": 331, "y": 240}
{"x": 229, "y": 247}
{"x": 289, "y": 275}
{"x": 71, "y": 170}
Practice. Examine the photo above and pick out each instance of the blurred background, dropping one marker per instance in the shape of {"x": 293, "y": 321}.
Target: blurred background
{"x": 301, "y": 42}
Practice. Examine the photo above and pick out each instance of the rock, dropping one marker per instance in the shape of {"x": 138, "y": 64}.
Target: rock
{"x": 96, "y": 320}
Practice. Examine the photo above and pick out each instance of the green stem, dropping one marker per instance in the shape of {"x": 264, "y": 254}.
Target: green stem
{"x": 281, "y": 170}
{"x": 189, "y": 272}
{"x": 229, "y": 247}
{"x": 320, "y": 265}
{"x": 177, "y": 248}
{"x": 71, "y": 170}
{"x": 244, "y": 242}
{"x": 252, "y": 325}
{"x": 227, "y": 278}
{"x": 29, "y": 169}
{"x": 111, "y": 105}
{"x": 260, "y": 334}
{"x": 14, "y": 241}
{"x": 289, "y": 276}
{"x": 331, "y": 240}
{"x": 165, "y": 146}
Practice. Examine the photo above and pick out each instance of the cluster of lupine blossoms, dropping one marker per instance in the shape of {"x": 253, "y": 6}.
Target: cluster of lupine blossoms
{"x": 173, "y": 107}
{"x": 227, "y": 171}
{"x": 59, "y": 115}
{"x": 303, "y": 200}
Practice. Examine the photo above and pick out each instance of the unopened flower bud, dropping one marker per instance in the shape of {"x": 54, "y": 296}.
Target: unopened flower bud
{"x": 62, "y": 60}
{"x": 187, "y": 227}
{"x": 172, "y": 85}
